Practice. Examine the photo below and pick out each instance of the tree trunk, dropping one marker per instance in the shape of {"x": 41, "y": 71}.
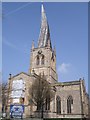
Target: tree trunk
{"x": 42, "y": 112}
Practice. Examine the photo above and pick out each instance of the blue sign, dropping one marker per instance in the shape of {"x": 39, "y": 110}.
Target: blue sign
{"x": 16, "y": 111}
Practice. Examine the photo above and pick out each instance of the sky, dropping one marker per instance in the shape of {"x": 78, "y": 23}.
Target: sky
{"x": 68, "y": 24}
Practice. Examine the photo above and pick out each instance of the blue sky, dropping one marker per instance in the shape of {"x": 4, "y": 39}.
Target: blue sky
{"x": 68, "y": 24}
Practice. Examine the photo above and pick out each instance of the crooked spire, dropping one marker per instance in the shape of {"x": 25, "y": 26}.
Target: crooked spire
{"x": 44, "y": 36}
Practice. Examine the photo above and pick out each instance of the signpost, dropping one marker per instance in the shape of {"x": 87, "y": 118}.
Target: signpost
{"x": 16, "y": 111}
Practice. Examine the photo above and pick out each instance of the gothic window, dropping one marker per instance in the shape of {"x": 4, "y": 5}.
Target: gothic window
{"x": 37, "y": 60}
{"x": 47, "y": 104}
{"x": 58, "y": 105}
{"x": 42, "y": 60}
{"x": 38, "y": 106}
{"x": 69, "y": 103}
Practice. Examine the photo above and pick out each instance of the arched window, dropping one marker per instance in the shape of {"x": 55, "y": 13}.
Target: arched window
{"x": 42, "y": 60}
{"x": 47, "y": 104}
{"x": 38, "y": 106}
{"x": 69, "y": 104}
{"x": 37, "y": 60}
{"x": 58, "y": 105}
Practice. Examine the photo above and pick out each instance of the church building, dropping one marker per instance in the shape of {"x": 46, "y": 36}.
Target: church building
{"x": 71, "y": 98}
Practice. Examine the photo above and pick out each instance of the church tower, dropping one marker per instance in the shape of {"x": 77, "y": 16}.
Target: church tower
{"x": 43, "y": 58}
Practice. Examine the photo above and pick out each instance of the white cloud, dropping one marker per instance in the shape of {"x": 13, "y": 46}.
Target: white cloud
{"x": 64, "y": 68}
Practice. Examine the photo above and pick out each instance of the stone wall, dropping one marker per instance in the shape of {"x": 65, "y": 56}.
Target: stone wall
{"x": 74, "y": 91}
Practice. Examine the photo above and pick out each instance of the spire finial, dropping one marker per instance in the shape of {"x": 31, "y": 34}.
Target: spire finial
{"x": 32, "y": 44}
{"x": 42, "y": 8}
{"x": 42, "y": 1}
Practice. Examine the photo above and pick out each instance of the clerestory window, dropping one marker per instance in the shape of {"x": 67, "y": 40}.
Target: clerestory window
{"x": 58, "y": 105}
{"x": 69, "y": 104}
{"x": 47, "y": 104}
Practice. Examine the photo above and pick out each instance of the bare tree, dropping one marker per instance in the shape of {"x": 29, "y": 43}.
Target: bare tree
{"x": 0, "y": 92}
{"x": 41, "y": 94}
{"x": 0, "y": 97}
{"x": 4, "y": 97}
{"x": 89, "y": 108}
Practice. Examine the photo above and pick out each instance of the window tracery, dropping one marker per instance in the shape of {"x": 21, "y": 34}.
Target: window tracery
{"x": 58, "y": 105}
{"x": 69, "y": 103}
